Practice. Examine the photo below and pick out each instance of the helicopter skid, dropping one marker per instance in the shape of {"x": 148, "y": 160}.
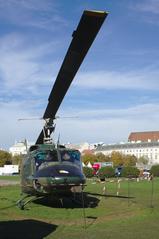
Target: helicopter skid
{"x": 23, "y": 202}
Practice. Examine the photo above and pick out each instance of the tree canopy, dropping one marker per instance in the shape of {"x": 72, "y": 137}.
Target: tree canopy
{"x": 143, "y": 161}
{"x": 117, "y": 158}
{"x": 5, "y": 158}
{"x": 17, "y": 159}
{"x": 89, "y": 158}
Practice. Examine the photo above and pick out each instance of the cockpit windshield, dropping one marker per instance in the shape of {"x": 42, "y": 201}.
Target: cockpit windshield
{"x": 45, "y": 156}
{"x": 70, "y": 156}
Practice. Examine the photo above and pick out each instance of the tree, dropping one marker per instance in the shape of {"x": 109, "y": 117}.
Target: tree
{"x": 155, "y": 170}
{"x": 130, "y": 172}
{"x": 88, "y": 172}
{"x": 106, "y": 172}
{"x": 143, "y": 161}
{"x": 103, "y": 158}
{"x": 5, "y": 158}
{"x": 117, "y": 159}
{"x": 107, "y": 158}
{"x": 17, "y": 159}
{"x": 100, "y": 157}
{"x": 89, "y": 158}
{"x": 129, "y": 160}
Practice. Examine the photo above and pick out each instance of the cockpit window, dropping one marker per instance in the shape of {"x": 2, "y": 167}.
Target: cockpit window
{"x": 51, "y": 156}
{"x": 45, "y": 156}
{"x": 70, "y": 156}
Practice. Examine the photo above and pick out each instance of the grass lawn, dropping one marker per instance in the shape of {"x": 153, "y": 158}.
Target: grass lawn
{"x": 11, "y": 178}
{"x": 106, "y": 217}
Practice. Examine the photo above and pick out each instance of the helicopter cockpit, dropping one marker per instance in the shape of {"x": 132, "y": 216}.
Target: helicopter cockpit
{"x": 46, "y": 156}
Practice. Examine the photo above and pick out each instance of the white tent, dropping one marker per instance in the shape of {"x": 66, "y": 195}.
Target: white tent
{"x": 83, "y": 165}
{"x": 89, "y": 165}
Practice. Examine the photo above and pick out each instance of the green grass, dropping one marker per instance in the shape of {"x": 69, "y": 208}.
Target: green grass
{"x": 114, "y": 217}
{"x": 11, "y": 178}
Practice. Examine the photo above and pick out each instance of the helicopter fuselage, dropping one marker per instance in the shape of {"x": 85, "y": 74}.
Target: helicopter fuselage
{"x": 47, "y": 169}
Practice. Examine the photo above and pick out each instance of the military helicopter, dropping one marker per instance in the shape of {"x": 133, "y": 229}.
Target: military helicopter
{"x": 49, "y": 168}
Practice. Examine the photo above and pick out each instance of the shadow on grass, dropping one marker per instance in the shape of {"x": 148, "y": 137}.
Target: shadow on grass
{"x": 92, "y": 220}
{"x": 109, "y": 195}
{"x": 88, "y": 201}
{"x": 26, "y": 229}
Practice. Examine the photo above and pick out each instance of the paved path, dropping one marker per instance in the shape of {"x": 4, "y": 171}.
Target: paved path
{"x": 8, "y": 182}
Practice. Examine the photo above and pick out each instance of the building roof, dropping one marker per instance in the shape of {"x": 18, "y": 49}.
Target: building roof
{"x": 144, "y": 136}
{"x": 127, "y": 146}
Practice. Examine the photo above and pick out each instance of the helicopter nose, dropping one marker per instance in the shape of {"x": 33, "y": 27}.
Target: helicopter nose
{"x": 59, "y": 170}
{"x": 61, "y": 177}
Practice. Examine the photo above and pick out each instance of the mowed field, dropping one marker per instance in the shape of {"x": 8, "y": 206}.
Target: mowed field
{"x": 134, "y": 214}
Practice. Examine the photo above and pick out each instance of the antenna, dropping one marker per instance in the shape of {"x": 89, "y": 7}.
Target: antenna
{"x": 58, "y": 141}
{"x": 26, "y": 144}
{"x": 59, "y": 145}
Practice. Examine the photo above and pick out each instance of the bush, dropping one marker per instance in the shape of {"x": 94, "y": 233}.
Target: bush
{"x": 88, "y": 172}
{"x": 155, "y": 170}
{"x": 130, "y": 172}
{"x": 106, "y": 172}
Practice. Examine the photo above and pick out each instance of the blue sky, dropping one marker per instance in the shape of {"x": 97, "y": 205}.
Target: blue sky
{"x": 114, "y": 92}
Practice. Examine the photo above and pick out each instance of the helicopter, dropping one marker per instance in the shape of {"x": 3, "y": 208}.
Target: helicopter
{"x": 49, "y": 168}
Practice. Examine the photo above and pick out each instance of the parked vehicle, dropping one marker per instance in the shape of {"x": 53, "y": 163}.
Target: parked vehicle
{"x": 118, "y": 171}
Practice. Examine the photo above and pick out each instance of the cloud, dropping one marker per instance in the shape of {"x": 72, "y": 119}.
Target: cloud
{"x": 148, "y": 10}
{"x": 145, "y": 79}
{"x": 107, "y": 125}
{"x": 149, "y": 6}
{"x": 11, "y": 129}
{"x": 100, "y": 124}
{"x": 132, "y": 112}
{"x": 41, "y": 14}
{"x": 25, "y": 68}
{"x": 25, "y": 79}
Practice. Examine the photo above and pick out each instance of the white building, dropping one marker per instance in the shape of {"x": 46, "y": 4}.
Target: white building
{"x": 19, "y": 148}
{"x": 150, "y": 150}
{"x": 81, "y": 147}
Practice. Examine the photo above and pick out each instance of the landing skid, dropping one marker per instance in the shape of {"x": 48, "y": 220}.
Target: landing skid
{"x": 78, "y": 198}
{"x": 25, "y": 200}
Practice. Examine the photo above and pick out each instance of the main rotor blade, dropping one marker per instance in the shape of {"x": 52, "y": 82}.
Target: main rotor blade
{"x": 83, "y": 37}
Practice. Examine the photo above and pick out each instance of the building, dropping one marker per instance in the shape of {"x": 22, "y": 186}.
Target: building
{"x": 140, "y": 144}
{"x": 147, "y": 136}
{"x": 83, "y": 147}
{"x": 19, "y": 148}
{"x": 150, "y": 150}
